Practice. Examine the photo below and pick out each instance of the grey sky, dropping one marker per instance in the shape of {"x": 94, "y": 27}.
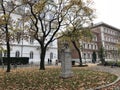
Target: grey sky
{"x": 108, "y": 11}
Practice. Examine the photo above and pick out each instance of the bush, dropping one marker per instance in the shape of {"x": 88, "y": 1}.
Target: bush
{"x": 16, "y": 60}
{"x": 112, "y": 63}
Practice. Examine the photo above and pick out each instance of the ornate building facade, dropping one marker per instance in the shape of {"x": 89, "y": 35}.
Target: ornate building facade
{"x": 26, "y": 47}
{"x": 105, "y": 36}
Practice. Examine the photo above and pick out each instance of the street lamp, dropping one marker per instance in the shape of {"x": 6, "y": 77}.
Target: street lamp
{"x": 85, "y": 57}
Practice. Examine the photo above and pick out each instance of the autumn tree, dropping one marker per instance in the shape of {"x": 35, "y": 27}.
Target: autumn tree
{"x": 75, "y": 38}
{"x": 7, "y": 23}
{"x": 48, "y": 17}
{"x": 79, "y": 20}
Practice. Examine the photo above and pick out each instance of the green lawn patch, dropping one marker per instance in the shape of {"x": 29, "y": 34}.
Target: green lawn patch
{"x": 33, "y": 79}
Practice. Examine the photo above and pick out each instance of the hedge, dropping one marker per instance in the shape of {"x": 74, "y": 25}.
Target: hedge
{"x": 16, "y": 60}
{"x": 111, "y": 63}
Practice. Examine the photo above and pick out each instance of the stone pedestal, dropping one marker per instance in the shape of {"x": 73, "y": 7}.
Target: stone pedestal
{"x": 66, "y": 64}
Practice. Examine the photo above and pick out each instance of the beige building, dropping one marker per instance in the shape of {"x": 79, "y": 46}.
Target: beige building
{"x": 109, "y": 37}
{"x": 103, "y": 35}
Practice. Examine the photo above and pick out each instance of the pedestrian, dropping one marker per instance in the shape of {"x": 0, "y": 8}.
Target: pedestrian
{"x": 48, "y": 61}
{"x": 56, "y": 63}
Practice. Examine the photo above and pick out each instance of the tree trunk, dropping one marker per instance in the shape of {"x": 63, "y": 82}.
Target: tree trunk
{"x": 7, "y": 35}
{"x": 42, "y": 58}
{"x": 79, "y": 53}
{"x": 8, "y": 51}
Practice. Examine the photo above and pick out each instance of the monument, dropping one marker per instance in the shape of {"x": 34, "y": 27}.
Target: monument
{"x": 66, "y": 64}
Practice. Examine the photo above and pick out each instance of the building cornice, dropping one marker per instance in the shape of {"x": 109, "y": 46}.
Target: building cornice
{"x": 105, "y": 25}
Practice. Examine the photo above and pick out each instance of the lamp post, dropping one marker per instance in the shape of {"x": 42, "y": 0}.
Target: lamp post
{"x": 85, "y": 57}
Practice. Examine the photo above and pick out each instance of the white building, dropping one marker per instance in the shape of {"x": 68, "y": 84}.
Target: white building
{"x": 30, "y": 48}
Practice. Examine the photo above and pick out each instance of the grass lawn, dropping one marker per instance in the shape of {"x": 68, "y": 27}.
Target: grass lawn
{"x": 33, "y": 79}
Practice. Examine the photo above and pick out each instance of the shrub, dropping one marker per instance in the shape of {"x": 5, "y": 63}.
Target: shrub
{"x": 16, "y": 60}
{"x": 112, "y": 63}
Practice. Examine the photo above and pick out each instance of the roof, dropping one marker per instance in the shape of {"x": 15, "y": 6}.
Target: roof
{"x": 105, "y": 25}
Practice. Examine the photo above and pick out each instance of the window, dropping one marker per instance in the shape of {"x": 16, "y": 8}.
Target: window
{"x": 95, "y": 47}
{"x": 31, "y": 55}
{"x": 31, "y": 40}
{"x": 108, "y": 47}
{"x": 108, "y": 31}
{"x": 91, "y": 46}
{"x": 51, "y": 44}
{"x": 95, "y": 38}
{"x": 111, "y": 39}
{"x": 105, "y": 38}
{"x": 105, "y": 30}
{"x": 88, "y": 55}
{"x": 88, "y": 46}
{"x": 84, "y": 55}
{"x": 84, "y": 45}
{"x": 17, "y": 54}
{"x": 51, "y": 55}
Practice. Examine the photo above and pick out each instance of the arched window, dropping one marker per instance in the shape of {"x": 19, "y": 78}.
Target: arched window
{"x": 31, "y": 55}
{"x": 51, "y": 55}
{"x": 17, "y": 54}
{"x": 5, "y": 54}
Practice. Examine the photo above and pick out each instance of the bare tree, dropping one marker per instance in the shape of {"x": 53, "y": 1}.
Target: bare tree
{"x": 7, "y": 9}
{"x": 78, "y": 22}
{"x": 48, "y": 17}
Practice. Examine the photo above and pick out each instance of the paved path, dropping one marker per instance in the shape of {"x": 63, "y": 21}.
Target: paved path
{"x": 95, "y": 67}
{"x": 114, "y": 70}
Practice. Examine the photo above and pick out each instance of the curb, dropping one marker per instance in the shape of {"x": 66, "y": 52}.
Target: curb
{"x": 104, "y": 86}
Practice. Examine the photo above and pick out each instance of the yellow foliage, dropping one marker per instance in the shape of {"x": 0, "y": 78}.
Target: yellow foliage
{"x": 38, "y": 7}
{"x": 3, "y": 19}
{"x": 76, "y": 2}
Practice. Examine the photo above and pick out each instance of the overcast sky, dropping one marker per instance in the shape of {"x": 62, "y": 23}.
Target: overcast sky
{"x": 108, "y": 11}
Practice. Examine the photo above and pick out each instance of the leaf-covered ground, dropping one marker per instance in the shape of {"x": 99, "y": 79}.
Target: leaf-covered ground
{"x": 33, "y": 79}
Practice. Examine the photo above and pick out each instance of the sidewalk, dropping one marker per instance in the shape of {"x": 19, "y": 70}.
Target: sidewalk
{"x": 114, "y": 70}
